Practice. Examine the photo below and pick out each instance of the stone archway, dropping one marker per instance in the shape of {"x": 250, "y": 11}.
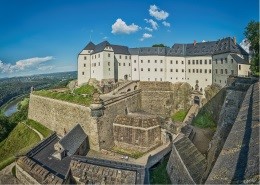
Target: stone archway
{"x": 196, "y": 100}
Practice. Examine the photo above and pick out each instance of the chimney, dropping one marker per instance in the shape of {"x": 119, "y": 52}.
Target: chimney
{"x": 194, "y": 43}
{"x": 235, "y": 40}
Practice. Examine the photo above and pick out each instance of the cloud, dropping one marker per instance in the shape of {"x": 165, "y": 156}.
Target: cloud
{"x": 203, "y": 41}
{"x": 105, "y": 38}
{"x": 245, "y": 44}
{"x": 157, "y": 13}
{"x": 148, "y": 29}
{"x": 153, "y": 23}
{"x": 167, "y": 24}
{"x": 146, "y": 36}
{"x": 121, "y": 27}
{"x": 21, "y": 65}
{"x": 45, "y": 68}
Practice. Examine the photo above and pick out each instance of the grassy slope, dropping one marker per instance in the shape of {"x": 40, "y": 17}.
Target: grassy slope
{"x": 159, "y": 175}
{"x": 180, "y": 115}
{"x": 21, "y": 138}
{"x": 39, "y": 127}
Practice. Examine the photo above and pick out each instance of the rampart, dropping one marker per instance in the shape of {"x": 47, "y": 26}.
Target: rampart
{"x": 61, "y": 116}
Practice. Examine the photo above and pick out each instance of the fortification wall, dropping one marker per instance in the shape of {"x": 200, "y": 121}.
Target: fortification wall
{"x": 24, "y": 177}
{"x": 59, "y": 115}
{"x": 130, "y": 102}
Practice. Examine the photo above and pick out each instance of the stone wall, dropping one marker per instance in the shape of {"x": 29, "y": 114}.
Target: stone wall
{"x": 24, "y": 177}
{"x": 130, "y": 102}
{"x": 59, "y": 115}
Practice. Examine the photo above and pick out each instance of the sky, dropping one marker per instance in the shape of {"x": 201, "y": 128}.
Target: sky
{"x": 43, "y": 36}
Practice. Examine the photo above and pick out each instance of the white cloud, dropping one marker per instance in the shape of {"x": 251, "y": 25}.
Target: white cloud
{"x": 153, "y": 23}
{"x": 21, "y": 65}
{"x": 167, "y": 24}
{"x": 245, "y": 44}
{"x": 148, "y": 29}
{"x": 146, "y": 36}
{"x": 105, "y": 38}
{"x": 45, "y": 68}
{"x": 203, "y": 41}
{"x": 157, "y": 13}
{"x": 121, "y": 27}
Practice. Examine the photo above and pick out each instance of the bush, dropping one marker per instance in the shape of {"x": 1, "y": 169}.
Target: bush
{"x": 204, "y": 120}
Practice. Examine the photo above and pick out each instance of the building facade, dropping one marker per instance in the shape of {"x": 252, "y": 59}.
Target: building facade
{"x": 199, "y": 64}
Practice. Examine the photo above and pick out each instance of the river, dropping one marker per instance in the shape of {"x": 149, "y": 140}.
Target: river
{"x": 12, "y": 106}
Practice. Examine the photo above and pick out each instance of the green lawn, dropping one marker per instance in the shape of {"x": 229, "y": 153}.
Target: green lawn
{"x": 39, "y": 127}
{"x": 159, "y": 175}
{"x": 85, "y": 89}
{"x": 65, "y": 96}
{"x": 20, "y": 139}
{"x": 179, "y": 116}
{"x": 204, "y": 120}
{"x": 130, "y": 153}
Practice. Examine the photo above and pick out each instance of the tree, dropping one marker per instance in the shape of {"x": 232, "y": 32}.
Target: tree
{"x": 252, "y": 34}
{"x": 159, "y": 45}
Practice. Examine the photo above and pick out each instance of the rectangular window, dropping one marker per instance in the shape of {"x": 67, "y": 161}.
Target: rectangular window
{"x": 221, "y": 71}
{"x": 239, "y": 67}
{"x": 232, "y": 60}
{"x": 189, "y": 62}
{"x": 176, "y": 61}
{"x": 189, "y": 70}
{"x": 141, "y": 69}
{"x": 108, "y": 54}
{"x": 193, "y": 61}
{"x": 98, "y": 55}
{"x": 197, "y": 62}
{"x": 134, "y": 69}
{"x": 221, "y": 60}
{"x": 95, "y": 56}
{"x": 123, "y": 64}
{"x": 226, "y": 71}
{"x": 84, "y": 65}
{"x": 209, "y": 70}
{"x": 216, "y": 71}
{"x": 205, "y": 71}
{"x": 200, "y": 61}
{"x": 171, "y": 61}
{"x": 161, "y": 69}
{"x": 108, "y": 69}
{"x": 125, "y": 57}
{"x": 200, "y": 70}
{"x": 209, "y": 61}
{"x": 171, "y": 70}
{"x": 155, "y": 61}
{"x": 193, "y": 70}
{"x": 148, "y": 69}
{"x": 134, "y": 61}
{"x": 120, "y": 56}
{"x": 129, "y": 64}
{"x": 141, "y": 61}
{"x": 176, "y": 70}
{"x": 161, "y": 61}
{"x": 205, "y": 62}
{"x": 129, "y": 57}
{"x": 155, "y": 69}
{"x": 148, "y": 61}
{"x": 197, "y": 71}
{"x": 182, "y": 62}
{"x": 99, "y": 64}
{"x": 85, "y": 58}
{"x": 182, "y": 70}
{"x": 119, "y": 64}
{"x": 108, "y": 63}
{"x": 82, "y": 73}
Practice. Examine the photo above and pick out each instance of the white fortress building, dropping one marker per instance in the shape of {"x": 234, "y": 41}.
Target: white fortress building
{"x": 199, "y": 64}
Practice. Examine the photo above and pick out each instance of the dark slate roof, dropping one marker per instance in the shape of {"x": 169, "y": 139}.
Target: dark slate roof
{"x": 120, "y": 49}
{"x": 238, "y": 59}
{"x": 176, "y": 50}
{"x": 200, "y": 49}
{"x": 90, "y": 46}
{"x": 145, "y": 51}
{"x": 72, "y": 140}
{"x": 134, "y": 51}
{"x": 101, "y": 46}
{"x": 227, "y": 45}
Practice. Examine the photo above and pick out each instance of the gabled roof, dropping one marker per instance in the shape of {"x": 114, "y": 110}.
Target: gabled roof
{"x": 90, "y": 46}
{"x": 101, "y": 46}
{"x": 200, "y": 49}
{"x": 72, "y": 140}
{"x": 238, "y": 59}
{"x": 120, "y": 49}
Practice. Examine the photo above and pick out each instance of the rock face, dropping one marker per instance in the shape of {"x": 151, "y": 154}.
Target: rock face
{"x": 140, "y": 132}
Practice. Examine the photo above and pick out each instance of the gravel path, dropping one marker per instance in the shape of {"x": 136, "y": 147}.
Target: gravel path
{"x": 6, "y": 176}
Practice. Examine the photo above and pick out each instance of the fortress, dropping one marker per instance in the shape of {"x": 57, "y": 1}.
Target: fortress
{"x": 127, "y": 129}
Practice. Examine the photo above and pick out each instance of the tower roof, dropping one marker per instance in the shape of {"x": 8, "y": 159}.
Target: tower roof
{"x": 90, "y": 46}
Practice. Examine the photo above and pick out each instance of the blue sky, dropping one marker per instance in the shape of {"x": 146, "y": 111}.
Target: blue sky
{"x": 46, "y": 36}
